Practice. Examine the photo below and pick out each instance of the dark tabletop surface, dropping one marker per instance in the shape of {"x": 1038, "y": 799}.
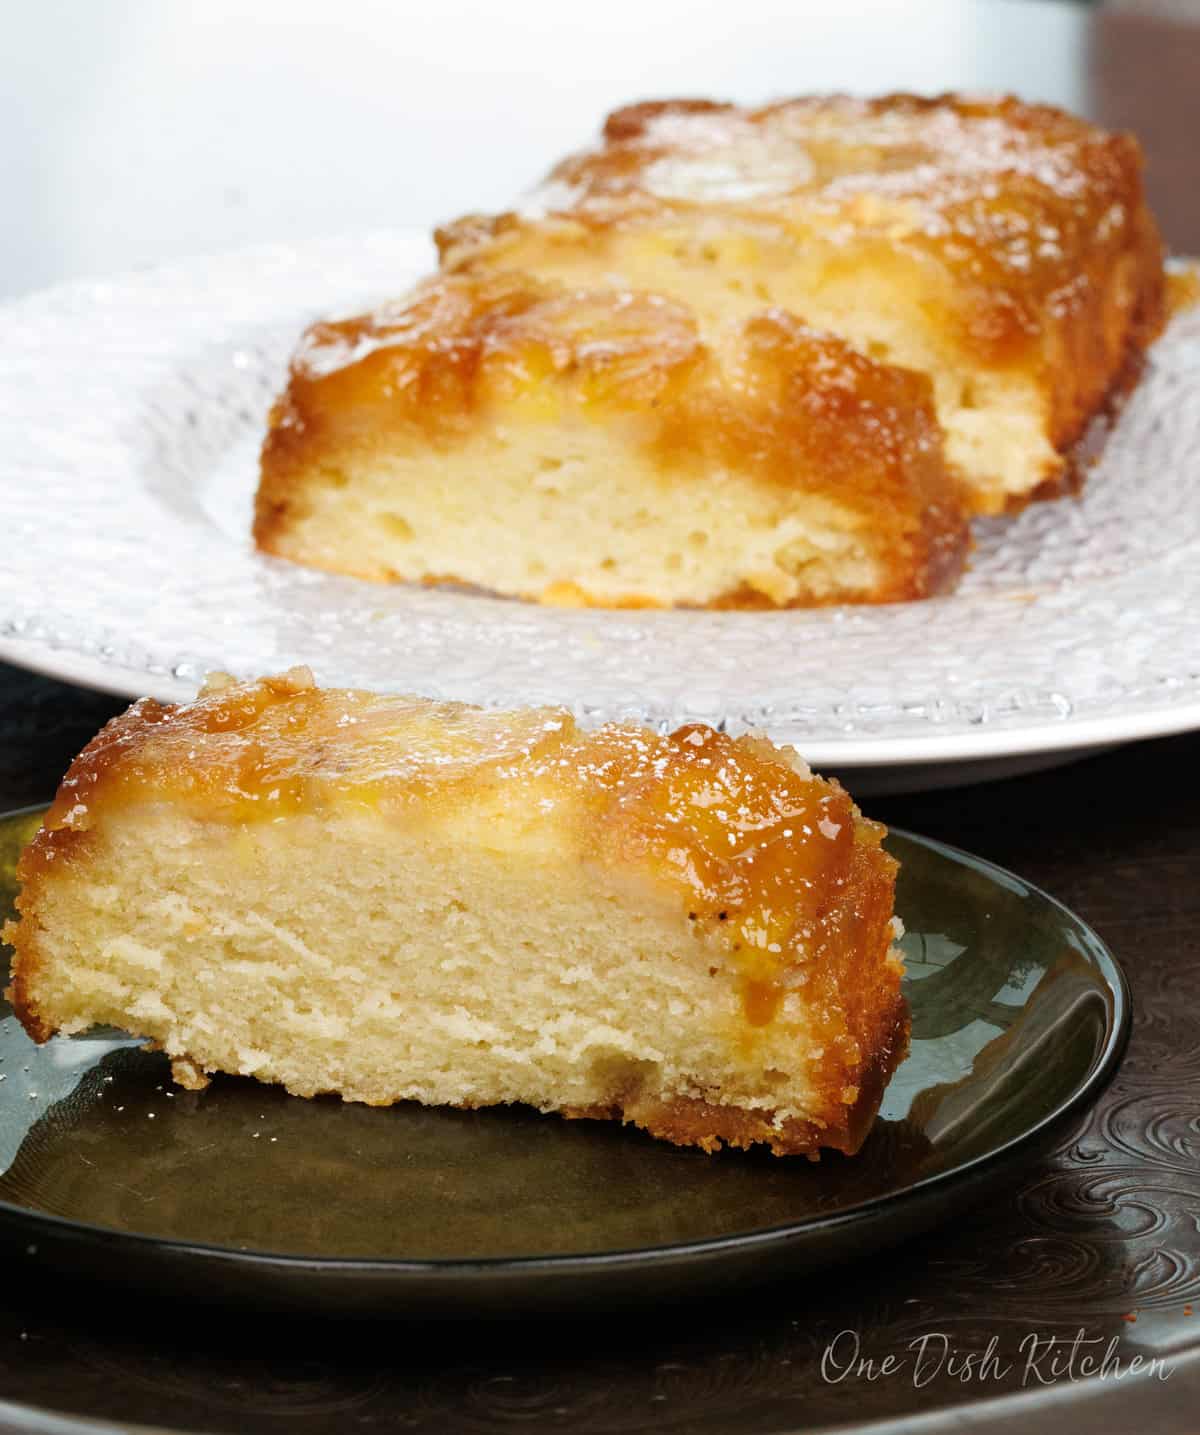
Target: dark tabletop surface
{"x": 1101, "y": 1238}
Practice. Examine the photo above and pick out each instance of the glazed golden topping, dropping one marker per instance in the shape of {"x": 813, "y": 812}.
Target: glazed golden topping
{"x": 456, "y": 345}
{"x": 992, "y": 181}
{"x": 756, "y": 849}
{"x": 1183, "y": 289}
{"x": 252, "y": 752}
{"x": 1010, "y": 197}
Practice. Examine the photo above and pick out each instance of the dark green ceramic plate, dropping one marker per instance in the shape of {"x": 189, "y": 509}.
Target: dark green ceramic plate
{"x": 242, "y": 1193}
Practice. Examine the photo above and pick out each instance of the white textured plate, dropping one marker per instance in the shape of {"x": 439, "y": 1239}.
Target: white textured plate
{"x": 130, "y": 417}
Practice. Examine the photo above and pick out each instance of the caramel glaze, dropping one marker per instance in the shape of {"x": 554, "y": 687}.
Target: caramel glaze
{"x": 1038, "y": 218}
{"x": 779, "y": 402}
{"x": 1183, "y": 290}
{"x": 774, "y": 865}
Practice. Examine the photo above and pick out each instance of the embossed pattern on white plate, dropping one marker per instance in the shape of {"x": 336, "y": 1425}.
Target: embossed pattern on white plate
{"x": 130, "y": 416}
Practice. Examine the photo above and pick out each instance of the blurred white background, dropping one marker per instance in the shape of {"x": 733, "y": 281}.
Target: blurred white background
{"x": 133, "y": 131}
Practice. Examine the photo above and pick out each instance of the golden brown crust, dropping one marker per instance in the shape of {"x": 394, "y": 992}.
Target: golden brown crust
{"x": 692, "y": 1121}
{"x": 773, "y": 864}
{"x": 1183, "y": 290}
{"x": 1038, "y": 219}
{"x": 1079, "y": 452}
{"x": 781, "y": 403}
{"x": 24, "y": 975}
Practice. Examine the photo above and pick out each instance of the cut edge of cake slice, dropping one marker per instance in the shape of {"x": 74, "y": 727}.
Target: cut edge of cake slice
{"x": 587, "y": 447}
{"x": 398, "y": 900}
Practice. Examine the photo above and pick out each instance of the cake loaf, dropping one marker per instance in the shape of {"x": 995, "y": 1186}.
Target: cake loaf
{"x": 394, "y": 899}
